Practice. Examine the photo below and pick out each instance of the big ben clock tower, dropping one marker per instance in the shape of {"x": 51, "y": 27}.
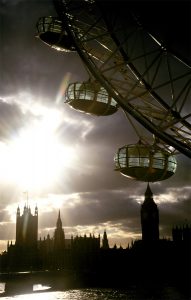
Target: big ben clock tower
{"x": 149, "y": 217}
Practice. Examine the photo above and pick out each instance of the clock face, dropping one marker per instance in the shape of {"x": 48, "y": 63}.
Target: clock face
{"x": 152, "y": 215}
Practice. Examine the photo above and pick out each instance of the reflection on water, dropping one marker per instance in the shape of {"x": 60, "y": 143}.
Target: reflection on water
{"x": 167, "y": 293}
{"x": 40, "y": 287}
{"x": 2, "y": 287}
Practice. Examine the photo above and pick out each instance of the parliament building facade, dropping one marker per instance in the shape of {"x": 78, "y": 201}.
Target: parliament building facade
{"x": 92, "y": 253}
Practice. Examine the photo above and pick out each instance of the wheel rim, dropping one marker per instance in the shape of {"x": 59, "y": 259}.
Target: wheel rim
{"x": 146, "y": 80}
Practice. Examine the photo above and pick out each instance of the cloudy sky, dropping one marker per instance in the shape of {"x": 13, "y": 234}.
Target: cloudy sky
{"x": 63, "y": 158}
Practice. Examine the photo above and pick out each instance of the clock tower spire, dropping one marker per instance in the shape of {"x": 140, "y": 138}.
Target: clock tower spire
{"x": 149, "y": 218}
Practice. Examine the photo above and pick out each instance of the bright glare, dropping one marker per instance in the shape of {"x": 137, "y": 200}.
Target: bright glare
{"x": 35, "y": 158}
{"x": 41, "y": 296}
{"x": 40, "y": 287}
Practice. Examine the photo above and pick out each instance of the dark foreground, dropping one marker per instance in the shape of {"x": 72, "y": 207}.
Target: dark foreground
{"x": 66, "y": 280}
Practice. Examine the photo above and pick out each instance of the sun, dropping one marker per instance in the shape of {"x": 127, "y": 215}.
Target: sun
{"x": 36, "y": 157}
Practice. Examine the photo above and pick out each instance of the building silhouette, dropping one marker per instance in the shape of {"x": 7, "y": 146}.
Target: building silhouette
{"x": 149, "y": 218}
{"x": 59, "y": 236}
{"x": 91, "y": 258}
{"x": 59, "y": 252}
{"x": 105, "y": 242}
{"x": 181, "y": 233}
{"x": 24, "y": 253}
{"x": 59, "y": 243}
{"x": 26, "y": 228}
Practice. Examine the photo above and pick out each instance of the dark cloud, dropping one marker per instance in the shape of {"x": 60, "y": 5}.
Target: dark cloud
{"x": 174, "y": 214}
{"x": 12, "y": 119}
{"x": 179, "y": 211}
{"x": 114, "y": 130}
{"x": 26, "y": 62}
{"x": 3, "y": 216}
{"x": 7, "y": 231}
{"x": 103, "y": 207}
{"x": 48, "y": 219}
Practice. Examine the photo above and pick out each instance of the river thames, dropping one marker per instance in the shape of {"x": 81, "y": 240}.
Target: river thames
{"x": 134, "y": 293}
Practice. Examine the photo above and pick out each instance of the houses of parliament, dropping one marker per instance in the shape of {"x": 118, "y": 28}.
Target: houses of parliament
{"x": 145, "y": 257}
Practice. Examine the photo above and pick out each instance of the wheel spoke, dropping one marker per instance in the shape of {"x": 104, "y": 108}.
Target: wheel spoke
{"x": 147, "y": 81}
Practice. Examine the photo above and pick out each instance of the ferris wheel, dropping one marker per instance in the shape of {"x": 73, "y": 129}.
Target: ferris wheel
{"x": 129, "y": 67}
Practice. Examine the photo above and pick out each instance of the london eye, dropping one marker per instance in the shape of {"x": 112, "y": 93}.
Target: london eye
{"x": 133, "y": 69}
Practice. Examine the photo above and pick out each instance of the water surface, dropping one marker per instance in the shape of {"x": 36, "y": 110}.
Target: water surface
{"x": 134, "y": 293}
